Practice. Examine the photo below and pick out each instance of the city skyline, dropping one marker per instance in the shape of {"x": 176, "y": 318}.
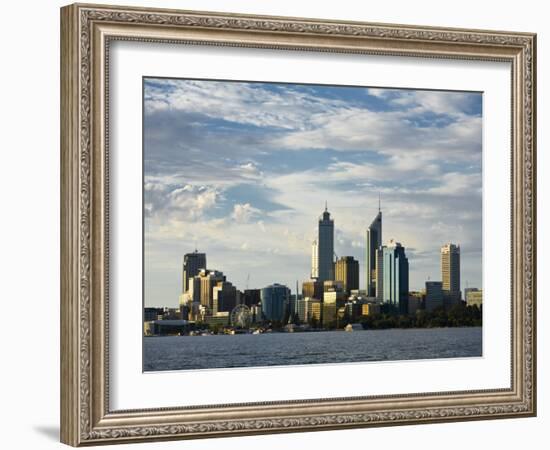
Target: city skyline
{"x": 243, "y": 182}
{"x": 391, "y": 272}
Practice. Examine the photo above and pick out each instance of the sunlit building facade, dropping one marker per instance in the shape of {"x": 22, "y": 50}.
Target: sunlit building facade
{"x": 346, "y": 270}
{"x": 450, "y": 273}
{"x": 474, "y": 296}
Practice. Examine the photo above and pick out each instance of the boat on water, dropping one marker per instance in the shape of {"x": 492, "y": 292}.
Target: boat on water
{"x": 353, "y": 327}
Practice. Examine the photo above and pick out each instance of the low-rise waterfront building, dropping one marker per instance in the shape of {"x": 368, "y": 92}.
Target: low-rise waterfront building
{"x": 220, "y": 319}
{"x": 275, "y": 302}
{"x": 354, "y": 309}
{"x": 150, "y": 314}
{"x": 166, "y": 327}
{"x": 416, "y": 301}
{"x": 474, "y": 296}
{"x": 197, "y": 312}
{"x": 171, "y": 313}
{"x": 308, "y": 310}
{"x": 370, "y": 309}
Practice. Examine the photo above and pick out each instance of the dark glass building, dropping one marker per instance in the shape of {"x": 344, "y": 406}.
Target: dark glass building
{"x": 251, "y": 297}
{"x": 275, "y": 302}
{"x": 396, "y": 278}
{"x": 325, "y": 247}
{"x": 373, "y": 243}
{"x": 192, "y": 264}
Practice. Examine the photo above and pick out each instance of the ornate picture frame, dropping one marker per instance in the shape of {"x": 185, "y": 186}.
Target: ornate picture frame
{"x": 86, "y": 34}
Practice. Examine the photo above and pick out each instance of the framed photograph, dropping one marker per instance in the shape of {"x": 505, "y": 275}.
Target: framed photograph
{"x": 276, "y": 224}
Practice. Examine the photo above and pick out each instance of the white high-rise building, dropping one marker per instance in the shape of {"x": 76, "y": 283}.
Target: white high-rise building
{"x": 314, "y": 260}
{"x": 450, "y": 272}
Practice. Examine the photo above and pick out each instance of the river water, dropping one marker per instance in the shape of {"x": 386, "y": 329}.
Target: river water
{"x": 327, "y": 347}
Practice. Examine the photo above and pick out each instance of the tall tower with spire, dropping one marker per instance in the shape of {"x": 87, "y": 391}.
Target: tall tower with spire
{"x": 372, "y": 244}
{"x": 325, "y": 247}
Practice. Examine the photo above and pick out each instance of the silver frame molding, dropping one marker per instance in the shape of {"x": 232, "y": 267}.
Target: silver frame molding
{"x": 86, "y": 31}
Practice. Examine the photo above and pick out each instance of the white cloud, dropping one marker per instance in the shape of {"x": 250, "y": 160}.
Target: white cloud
{"x": 243, "y": 213}
{"x": 426, "y": 173}
{"x": 389, "y": 133}
{"x": 456, "y": 183}
{"x": 435, "y": 102}
{"x": 245, "y": 103}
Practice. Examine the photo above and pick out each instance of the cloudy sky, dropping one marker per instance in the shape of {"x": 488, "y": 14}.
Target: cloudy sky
{"x": 242, "y": 172}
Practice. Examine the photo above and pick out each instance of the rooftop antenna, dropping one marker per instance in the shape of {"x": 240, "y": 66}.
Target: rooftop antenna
{"x": 326, "y": 206}
{"x": 379, "y": 203}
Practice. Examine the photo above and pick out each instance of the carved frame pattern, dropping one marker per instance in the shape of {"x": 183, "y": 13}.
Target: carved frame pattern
{"x": 86, "y": 418}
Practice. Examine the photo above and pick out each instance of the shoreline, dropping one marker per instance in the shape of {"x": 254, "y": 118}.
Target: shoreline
{"x": 282, "y": 331}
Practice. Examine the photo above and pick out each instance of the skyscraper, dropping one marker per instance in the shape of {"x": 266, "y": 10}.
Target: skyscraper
{"x": 325, "y": 247}
{"x": 396, "y": 277}
{"x": 450, "y": 273}
{"x": 346, "y": 270}
{"x": 192, "y": 264}
{"x": 224, "y": 297}
{"x": 373, "y": 243}
{"x": 380, "y": 273}
{"x": 474, "y": 296}
{"x": 209, "y": 279}
{"x": 314, "y": 260}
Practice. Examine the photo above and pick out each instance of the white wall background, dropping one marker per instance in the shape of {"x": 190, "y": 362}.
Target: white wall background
{"x": 29, "y": 229}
